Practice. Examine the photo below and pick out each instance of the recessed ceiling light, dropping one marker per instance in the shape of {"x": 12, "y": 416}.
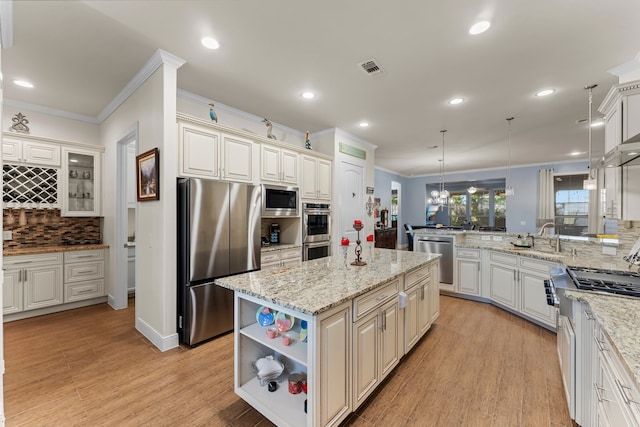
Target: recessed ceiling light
{"x": 364, "y": 124}
{"x": 479, "y": 27}
{"x": 210, "y": 43}
{"x": 576, "y": 153}
{"x": 632, "y": 153}
{"x": 545, "y": 92}
{"x": 597, "y": 123}
{"x": 456, "y": 101}
{"x": 308, "y": 95}
{"x": 23, "y": 83}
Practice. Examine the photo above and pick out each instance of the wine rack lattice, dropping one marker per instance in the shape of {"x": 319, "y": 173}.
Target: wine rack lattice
{"x": 29, "y": 186}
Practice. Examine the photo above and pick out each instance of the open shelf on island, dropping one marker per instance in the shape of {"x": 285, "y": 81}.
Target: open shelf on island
{"x": 282, "y": 404}
{"x": 296, "y": 351}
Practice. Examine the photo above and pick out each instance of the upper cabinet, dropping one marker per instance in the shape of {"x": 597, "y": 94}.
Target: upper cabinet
{"x": 80, "y": 189}
{"x": 621, "y": 107}
{"x": 316, "y": 178}
{"x": 205, "y": 152}
{"x": 20, "y": 150}
{"x": 278, "y": 165}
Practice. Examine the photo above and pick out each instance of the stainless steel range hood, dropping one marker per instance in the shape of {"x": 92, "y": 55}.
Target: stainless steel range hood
{"x": 625, "y": 154}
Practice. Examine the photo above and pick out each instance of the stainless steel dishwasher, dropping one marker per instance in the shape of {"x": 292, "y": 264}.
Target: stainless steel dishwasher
{"x": 443, "y": 245}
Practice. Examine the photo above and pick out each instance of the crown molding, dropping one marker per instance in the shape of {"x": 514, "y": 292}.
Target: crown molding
{"x": 6, "y": 23}
{"x": 159, "y": 58}
{"x": 189, "y": 96}
{"x": 340, "y": 132}
{"x": 50, "y": 111}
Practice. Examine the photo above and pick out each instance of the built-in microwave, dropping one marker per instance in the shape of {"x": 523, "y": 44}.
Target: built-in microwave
{"x": 279, "y": 200}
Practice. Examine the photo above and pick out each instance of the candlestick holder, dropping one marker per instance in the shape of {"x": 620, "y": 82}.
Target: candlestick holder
{"x": 358, "y": 248}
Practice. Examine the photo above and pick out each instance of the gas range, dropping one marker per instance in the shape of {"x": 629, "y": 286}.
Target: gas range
{"x": 612, "y": 281}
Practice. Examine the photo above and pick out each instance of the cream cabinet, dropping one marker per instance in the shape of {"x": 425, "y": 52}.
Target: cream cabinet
{"x": 316, "y": 178}
{"x": 611, "y": 199}
{"x": 279, "y": 165}
{"x": 289, "y": 257}
{"x": 617, "y": 396}
{"x": 434, "y": 292}
{"x": 205, "y": 152}
{"x": 503, "y": 278}
{"x": 419, "y": 309}
{"x": 31, "y": 282}
{"x": 334, "y": 338}
{"x": 22, "y": 150}
{"x": 376, "y": 339}
{"x": 631, "y": 193}
{"x": 467, "y": 273}
{"x": 533, "y": 299}
{"x": 81, "y": 182}
{"x": 83, "y": 275}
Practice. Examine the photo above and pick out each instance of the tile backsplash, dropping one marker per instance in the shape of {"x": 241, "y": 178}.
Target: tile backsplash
{"x": 45, "y": 227}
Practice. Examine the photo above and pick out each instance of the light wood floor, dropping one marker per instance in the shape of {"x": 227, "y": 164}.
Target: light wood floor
{"x": 478, "y": 366}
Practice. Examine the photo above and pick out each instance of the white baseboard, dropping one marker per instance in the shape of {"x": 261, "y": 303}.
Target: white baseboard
{"x": 163, "y": 343}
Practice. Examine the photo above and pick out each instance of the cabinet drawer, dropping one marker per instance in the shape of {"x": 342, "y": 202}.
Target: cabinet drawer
{"x": 536, "y": 264}
{"x": 83, "y": 271}
{"x": 468, "y": 253}
{"x": 369, "y": 301}
{"x": 83, "y": 290}
{"x": 416, "y": 276}
{"x": 32, "y": 260}
{"x": 267, "y": 257}
{"x": 291, "y": 253}
{"x": 81, "y": 256}
{"x": 502, "y": 258}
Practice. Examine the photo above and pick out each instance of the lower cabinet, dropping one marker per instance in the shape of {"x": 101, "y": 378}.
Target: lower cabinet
{"x": 31, "y": 282}
{"x": 503, "y": 278}
{"x": 83, "y": 275}
{"x": 533, "y": 299}
{"x": 375, "y": 349}
{"x": 468, "y": 271}
{"x": 617, "y": 397}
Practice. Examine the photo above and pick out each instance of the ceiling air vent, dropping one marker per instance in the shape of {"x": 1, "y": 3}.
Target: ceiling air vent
{"x": 370, "y": 67}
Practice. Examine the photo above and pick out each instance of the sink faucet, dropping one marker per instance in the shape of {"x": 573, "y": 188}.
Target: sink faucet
{"x": 543, "y": 229}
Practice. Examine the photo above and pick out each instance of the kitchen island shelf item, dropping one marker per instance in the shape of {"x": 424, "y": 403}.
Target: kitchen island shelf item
{"x": 281, "y": 406}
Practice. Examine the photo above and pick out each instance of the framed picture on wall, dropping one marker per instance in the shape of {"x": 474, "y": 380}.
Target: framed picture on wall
{"x": 148, "y": 175}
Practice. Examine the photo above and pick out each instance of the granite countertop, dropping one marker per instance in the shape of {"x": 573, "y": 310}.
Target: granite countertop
{"x": 316, "y": 286}
{"x": 619, "y": 317}
{"x": 279, "y": 246}
{"x": 49, "y": 249}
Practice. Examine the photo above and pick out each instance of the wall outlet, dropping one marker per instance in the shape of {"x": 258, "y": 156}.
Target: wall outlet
{"x": 609, "y": 250}
{"x": 486, "y": 237}
{"x": 7, "y": 235}
{"x": 497, "y": 238}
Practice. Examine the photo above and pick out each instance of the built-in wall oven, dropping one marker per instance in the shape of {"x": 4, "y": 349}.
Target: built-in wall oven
{"x": 316, "y": 230}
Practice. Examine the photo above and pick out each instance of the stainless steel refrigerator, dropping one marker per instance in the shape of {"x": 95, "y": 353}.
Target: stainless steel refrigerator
{"x": 218, "y": 235}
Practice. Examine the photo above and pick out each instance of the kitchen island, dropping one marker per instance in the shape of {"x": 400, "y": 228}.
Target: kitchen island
{"x": 359, "y": 322}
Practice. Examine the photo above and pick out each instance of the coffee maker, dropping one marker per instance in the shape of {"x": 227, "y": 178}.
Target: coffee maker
{"x": 275, "y": 233}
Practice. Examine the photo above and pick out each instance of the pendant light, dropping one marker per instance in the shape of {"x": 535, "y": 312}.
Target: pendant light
{"x": 472, "y": 190}
{"x": 591, "y": 183}
{"x": 441, "y": 196}
{"x": 509, "y": 190}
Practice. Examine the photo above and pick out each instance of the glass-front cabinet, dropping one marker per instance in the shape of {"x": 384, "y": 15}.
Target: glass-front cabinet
{"x": 80, "y": 190}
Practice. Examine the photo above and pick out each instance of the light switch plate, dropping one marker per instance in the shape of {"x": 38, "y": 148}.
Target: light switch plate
{"x": 7, "y": 235}
{"x": 486, "y": 237}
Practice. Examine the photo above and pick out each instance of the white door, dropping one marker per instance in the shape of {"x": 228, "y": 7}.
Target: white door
{"x": 351, "y": 199}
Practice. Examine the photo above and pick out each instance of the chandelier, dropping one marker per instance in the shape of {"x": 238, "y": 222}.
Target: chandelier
{"x": 509, "y": 190}
{"x": 440, "y": 197}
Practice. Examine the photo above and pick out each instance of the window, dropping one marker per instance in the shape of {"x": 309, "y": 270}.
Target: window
{"x": 486, "y": 208}
{"x": 572, "y": 205}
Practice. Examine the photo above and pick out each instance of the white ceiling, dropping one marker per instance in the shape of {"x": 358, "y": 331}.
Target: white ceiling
{"x": 80, "y": 55}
